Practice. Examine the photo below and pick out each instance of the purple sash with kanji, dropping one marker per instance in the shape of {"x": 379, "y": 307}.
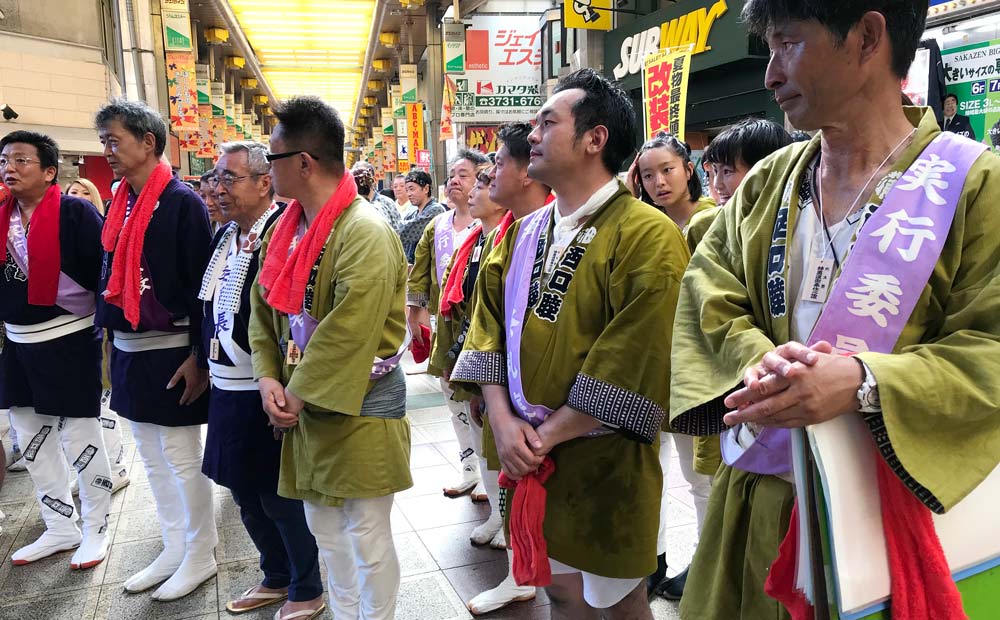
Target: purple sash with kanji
{"x": 883, "y": 277}
{"x": 515, "y": 311}
{"x": 444, "y": 244}
{"x": 69, "y": 294}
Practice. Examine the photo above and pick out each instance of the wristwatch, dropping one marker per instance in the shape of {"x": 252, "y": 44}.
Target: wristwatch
{"x": 868, "y": 400}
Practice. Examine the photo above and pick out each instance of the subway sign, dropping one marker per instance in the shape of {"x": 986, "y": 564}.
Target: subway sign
{"x": 710, "y": 28}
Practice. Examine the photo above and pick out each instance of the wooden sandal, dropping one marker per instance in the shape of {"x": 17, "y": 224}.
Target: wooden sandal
{"x": 263, "y": 599}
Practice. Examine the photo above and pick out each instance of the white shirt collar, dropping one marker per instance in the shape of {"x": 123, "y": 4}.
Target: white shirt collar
{"x": 595, "y": 202}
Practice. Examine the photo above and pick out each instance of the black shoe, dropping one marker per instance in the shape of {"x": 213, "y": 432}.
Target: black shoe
{"x": 672, "y": 589}
{"x": 657, "y": 578}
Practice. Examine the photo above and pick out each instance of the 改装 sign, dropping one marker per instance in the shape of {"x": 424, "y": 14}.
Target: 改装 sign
{"x": 972, "y": 73}
{"x": 503, "y": 63}
{"x": 664, "y": 91}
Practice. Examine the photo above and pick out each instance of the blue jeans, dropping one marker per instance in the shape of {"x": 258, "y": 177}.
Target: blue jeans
{"x": 288, "y": 554}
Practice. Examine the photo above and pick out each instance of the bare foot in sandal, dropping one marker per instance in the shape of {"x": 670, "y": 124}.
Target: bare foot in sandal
{"x": 301, "y": 610}
{"x": 257, "y": 597}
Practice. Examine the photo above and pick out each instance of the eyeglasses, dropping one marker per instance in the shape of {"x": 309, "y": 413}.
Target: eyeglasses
{"x": 273, "y": 156}
{"x": 17, "y": 162}
{"x": 227, "y": 179}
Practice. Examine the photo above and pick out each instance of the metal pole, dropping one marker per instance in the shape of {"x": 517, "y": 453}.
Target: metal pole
{"x": 434, "y": 80}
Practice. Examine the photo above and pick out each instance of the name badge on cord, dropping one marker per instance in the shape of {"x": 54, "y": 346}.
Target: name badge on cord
{"x": 213, "y": 349}
{"x": 820, "y": 272}
{"x": 294, "y": 355}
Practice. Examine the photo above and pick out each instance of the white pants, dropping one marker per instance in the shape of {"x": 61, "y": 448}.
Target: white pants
{"x": 51, "y": 445}
{"x": 701, "y": 485}
{"x": 463, "y": 430}
{"x": 599, "y": 592}
{"x": 172, "y": 457}
{"x": 111, "y": 427}
{"x": 355, "y": 541}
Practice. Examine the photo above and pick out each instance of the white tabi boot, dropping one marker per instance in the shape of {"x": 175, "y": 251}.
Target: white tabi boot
{"x": 112, "y": 433}
{"x": 169, "y": 510}
{"x": 484, "y": 532}
{"x": 43, "y": 456}
{"x": 467, "y": 458}
{"x": 182, "y": 450}
{"x": 82, "y": 442}
{"x": 504, "y": 594}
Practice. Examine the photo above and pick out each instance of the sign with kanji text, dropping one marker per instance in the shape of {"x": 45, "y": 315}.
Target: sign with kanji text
{"x": 182, "y": 91}
{"x": 423, "y": 158}
{"x": 402, "y": 156}
{"x": 218, "y": 97}
{"x": 202, "y": 82}
{"x": 415, "y": 129}
{"x": 587, "y": 14}
{"x": 389, "y": 159}
{"x": 176, "y": 25}
{"x": 408, "y": 81}
{"x": 502, "y": 80}
{"x": 664, "y": 91}
{"x": 388, "y": 122}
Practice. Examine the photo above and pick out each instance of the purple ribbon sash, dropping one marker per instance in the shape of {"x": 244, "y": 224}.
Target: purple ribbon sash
{"x": 883, "y": 277}
{"x": 444, "y": 244}
{"x": 69, "y": 294}
{"x": 515, "y": 311}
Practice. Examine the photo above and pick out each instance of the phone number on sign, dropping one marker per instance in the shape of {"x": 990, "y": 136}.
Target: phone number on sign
{"x": 525, "y": 101}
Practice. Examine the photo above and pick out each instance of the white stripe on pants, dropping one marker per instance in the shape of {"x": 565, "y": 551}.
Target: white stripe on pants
{"x": 701, "y": 485}
{"x": 50, "y": 446}
{"x": 172, "y": 457}
{"x": 355, "y": 541}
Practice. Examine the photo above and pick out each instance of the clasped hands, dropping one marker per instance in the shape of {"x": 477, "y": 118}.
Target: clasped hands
{"x": 795, "y": 385}
{"x": 281, "y": 405}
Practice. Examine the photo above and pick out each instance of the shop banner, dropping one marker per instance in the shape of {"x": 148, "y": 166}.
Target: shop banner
{"x": 454, "y": 47}
{"x": 447, "y": 129}
{"x": 483, "y": 139}
{"x": 396, "y": 100}
{"x": 424, "y": 159}
{"x": 972, "y": 73}
{"x": 389, "y": 160}
{"x": 402, "y": 155}
{"x": 218, "y": 126}
{"x": 218, "y": 99}
{"x": 503, "y": 71}
{"x": 230, "y": 109}
{"x": 203, "y": 85}
{"x": 182, "y": 91}
{"x": 388, "y": 122}
{"x": 206, "y": 142}
{"x": 408, "y": 83}
{"x": 415, "y": 129}
{"x": 587, "y": 14}
{"x": 378, "y": 138}
{"x": 189, "y": 142}
{"x": 664, "y": 91}
{"x": 176, "y": 25}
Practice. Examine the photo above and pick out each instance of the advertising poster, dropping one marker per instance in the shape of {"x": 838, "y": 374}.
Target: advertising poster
{"x": 182, "y": 91}
{"x": 483, "y": 139}
{"x": 587, "y": 14}
{"x": 664, "y": 91}
{"x": 388, "y": 122}
{"x": 454, "y": 47}
{"x": 203, "y": 85}
{"x": 389, "y": 160}
{"x": 408, "y": 82}
{"x": 176, "y": 25}
{"x": 972, "y": 73}
{"x": 218, "y": 96}
{"x": 447, "y": 130}
{"x": 502, "y": 71}
{"x": 206, "y": 142}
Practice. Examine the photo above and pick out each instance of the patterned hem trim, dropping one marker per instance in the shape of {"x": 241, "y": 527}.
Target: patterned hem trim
{"x": 876, "y": 426}
{"x": 627, "y": 412}
{"x": 705, "y": 419}
{"x": 482, "y": 367}
{"x": 417, "y": 299}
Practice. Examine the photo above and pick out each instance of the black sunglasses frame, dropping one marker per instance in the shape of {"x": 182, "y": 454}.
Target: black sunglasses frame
{"x": 270, "y": 157}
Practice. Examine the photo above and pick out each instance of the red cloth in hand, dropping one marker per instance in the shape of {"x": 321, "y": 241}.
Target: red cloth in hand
{"x": 452, "y": 292}
{"x": 780, "y": 583}
{"x": 44, "y": 250}
{"x": 285, "y": 275}
{"x": 126, "y": 237}
{"x": 921, "y": 583}
{"x": 527, "y": 516}
{"x": 421, "y": 351}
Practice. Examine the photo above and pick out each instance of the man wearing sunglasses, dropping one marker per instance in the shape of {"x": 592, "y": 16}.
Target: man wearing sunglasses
{"x": 327, "y": 332}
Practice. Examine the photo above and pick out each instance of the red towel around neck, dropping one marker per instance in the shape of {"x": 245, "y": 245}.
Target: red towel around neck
{"x": 44, "y": 251}
{"x": 921, "y": 586}
{"x": 285, "y": 276}
{"x": 527, "y": 516}
{"x": 126, "y": 236}
{"x": 505, "y": 222}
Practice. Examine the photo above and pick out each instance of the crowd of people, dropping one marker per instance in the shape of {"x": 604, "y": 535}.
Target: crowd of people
{"x": 580, "y": 321}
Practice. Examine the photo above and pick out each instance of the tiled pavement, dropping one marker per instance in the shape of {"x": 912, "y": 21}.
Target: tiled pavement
{"x": 440, "y": 568}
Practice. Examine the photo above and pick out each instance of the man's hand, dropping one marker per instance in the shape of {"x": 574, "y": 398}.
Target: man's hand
{"x": 195, "y": 380}
{"x": 476, "y": 407}
{"x": 517, "y": 442}
{"x": 796, "y": 386}
{"x": 415, "y": 317}
{"x": 272, "y": 396}
{"x": 293, "y": 404}
{"x": 564, "y": 424}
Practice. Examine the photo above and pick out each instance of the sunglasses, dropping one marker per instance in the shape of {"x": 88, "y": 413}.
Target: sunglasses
{"x": 274, "y": 156}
